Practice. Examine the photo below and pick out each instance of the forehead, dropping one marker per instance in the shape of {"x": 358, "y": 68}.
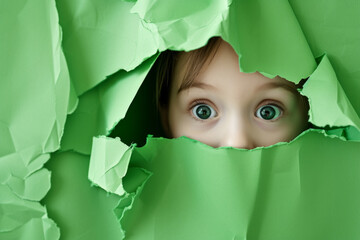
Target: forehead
{"x": 223, "y": 68}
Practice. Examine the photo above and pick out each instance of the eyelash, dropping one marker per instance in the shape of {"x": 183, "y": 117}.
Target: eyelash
{"x": 198, "y": 102}
{"x": 270, "y": 102}
{"x": 273, "y": 103}
{"x": 263, "y": 103}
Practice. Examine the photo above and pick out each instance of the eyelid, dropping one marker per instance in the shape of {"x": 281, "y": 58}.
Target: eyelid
{"x": 274, "y": 103}
{"x": 203, "y": 101}
{"x": 196, "y": 102}
{"x": 271, "y": 102}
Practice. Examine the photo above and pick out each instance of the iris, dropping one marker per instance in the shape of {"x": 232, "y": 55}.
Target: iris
{"x": 268, "y": 112}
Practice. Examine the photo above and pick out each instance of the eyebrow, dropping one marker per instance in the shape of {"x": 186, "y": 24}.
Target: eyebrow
{"x": 201, "y": 85}
{"x": 282, "y": 85}
{"x": 269, "y": 85}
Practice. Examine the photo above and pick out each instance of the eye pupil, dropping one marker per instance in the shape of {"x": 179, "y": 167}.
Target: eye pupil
{"x": 203, "y": 112}
{"x": 267, "y": 112}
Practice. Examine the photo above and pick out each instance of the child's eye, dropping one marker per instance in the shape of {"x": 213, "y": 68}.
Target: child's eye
{"x": 203, "y": 111}
{"x": 268, "y": 112}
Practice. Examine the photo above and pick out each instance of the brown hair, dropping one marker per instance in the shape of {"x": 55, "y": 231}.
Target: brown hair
{"x": 195, "y": 61}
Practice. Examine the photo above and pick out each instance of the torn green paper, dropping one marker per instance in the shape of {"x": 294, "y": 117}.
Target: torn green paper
{"x": 266, "y": 42}
{"x": 101, "y": 39}
{"x": 329, "y": 105}
{"x": 102, "y": 108}
{"x": 179, "y": 201}
{"x": 35, "y": 94}
{"x": 36, "y": 228}
{"x": 332, "y": 28}
{"x": 263, "y": 40}
{"x": 114, "y": 168}
{"x": 293, "y": 58}
{"x": 22, "y": 216}
{"x": 80, "y": 210}
{"x": 40, "y": 91}
{"x": 282, "y": 38}
{"x": 306, "y": 189}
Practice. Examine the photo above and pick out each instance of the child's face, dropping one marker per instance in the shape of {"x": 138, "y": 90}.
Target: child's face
{"x": 225, "y": 107}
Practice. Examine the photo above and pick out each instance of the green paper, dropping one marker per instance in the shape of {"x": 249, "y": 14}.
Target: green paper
{"x": 332, "y": 28}
{"x": 36, "y": 97}
{"x": 306, "y": 189}
{"x": 329, "y": 106}
{"x": 24, "y": 219}
{"x": 103, "y": 107}
{"x": 36, "y": 228}
{"x": 94, "y": 61}
{"x": 40, "y": 91}
{"x": 263, "y": 40}
{"x": 92, "y": 118}
{"x": 100, "y": 38}
{"x": 120, "y": 155}
{"x": 80, "y": 210}
{"x": 267, "y": 43}
{"x": 186, "y": 190}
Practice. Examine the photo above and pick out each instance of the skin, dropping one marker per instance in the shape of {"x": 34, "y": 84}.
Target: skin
{"x": 235, "y": 100}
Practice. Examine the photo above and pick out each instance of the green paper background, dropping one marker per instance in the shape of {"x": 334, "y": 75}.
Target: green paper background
{"x": 69, "y": 71}
{"x": 297, "y": 190}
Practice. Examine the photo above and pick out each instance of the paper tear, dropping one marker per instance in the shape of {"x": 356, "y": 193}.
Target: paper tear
{"x": 83, "y": 47}
{"x": 227, "y": 190}
{"x": 109, "y": 171}
{"x": 329, "y": 105}
{"x": 102, "y": 108}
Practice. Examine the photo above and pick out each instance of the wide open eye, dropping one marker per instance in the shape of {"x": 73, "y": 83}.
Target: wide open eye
{"x": 203, "y": 111}
{"x": 268, "y": 112}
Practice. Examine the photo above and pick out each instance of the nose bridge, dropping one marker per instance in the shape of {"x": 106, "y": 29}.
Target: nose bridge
{"x": 237, "y": 132}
